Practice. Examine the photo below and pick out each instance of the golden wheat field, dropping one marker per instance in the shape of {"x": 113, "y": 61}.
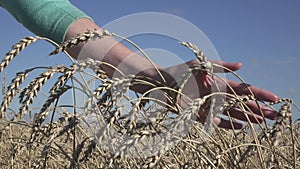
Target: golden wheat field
{"x": 114, "y": 129}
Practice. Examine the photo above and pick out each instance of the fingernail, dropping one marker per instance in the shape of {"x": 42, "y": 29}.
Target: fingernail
{"x": 260, "y": 119}
{"x": 276, "y": 98}
{"x": 269, "y": 112}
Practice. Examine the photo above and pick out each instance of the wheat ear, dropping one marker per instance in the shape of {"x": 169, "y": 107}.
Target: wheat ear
{"x": 12, "y": 91}
{"x": 199, "y": 53}
{"x": 53, "y": 96}
{"x": 31, "y": 91}
{"x": 16, "y": 49}
{"x": 81, "y": 38}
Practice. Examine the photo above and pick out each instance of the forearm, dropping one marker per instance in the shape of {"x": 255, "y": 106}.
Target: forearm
{"x": 60, "y": 21}
{"x": 109, "y": 50}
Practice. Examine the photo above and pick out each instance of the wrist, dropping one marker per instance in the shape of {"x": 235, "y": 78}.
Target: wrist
{"x": 151, "y": 78}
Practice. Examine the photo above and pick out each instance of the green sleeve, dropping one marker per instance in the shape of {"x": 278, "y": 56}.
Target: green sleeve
{"x": 47, "y": 18}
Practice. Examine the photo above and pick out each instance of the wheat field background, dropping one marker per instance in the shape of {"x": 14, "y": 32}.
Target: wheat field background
{"x": 59, "y": 113}
{"x": 53, "y": 134}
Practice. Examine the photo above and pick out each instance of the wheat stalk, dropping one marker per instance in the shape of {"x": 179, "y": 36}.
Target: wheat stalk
{"x": 88, "y": 152}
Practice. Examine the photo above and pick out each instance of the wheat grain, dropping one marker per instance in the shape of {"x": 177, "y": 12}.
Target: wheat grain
{"x": 4, "y": 85}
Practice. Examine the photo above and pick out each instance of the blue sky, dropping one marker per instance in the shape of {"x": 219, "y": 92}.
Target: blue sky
{"x": 262, "y": 34}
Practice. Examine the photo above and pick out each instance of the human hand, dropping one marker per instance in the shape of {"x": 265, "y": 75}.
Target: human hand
{"x": 202, "y": 84}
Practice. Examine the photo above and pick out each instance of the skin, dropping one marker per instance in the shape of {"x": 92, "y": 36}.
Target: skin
{"x": 109, "y": 50}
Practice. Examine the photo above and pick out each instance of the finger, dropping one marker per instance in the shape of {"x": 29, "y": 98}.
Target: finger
{"x": 261, "y": 110}
{"x": 246, "y": 89}
{"x": 222, "y": 66}
{"x": 243, "y": 116}
{"x": 226, "y": 124}
{"x": 218, "y": 65}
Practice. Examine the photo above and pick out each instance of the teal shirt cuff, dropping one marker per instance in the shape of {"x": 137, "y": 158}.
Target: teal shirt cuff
{"x": 47, "y": 18}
